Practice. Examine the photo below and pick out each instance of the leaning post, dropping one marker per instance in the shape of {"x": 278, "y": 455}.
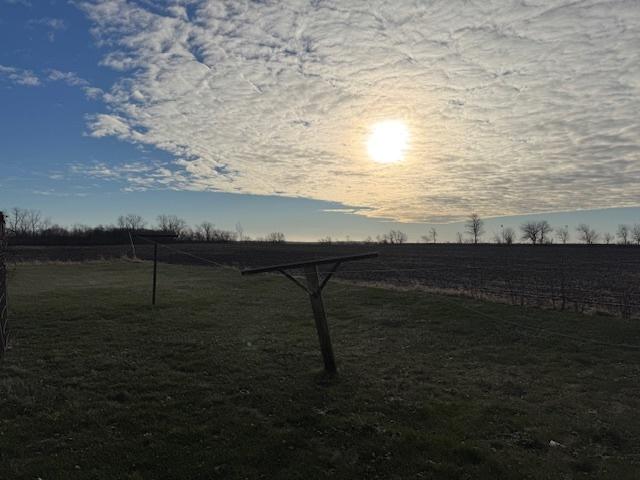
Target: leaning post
{"x": 315, "y": 295}
{"x": 314, "y": 286}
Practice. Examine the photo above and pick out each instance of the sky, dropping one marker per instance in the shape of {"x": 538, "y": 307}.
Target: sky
{"x": 259, "y": 112}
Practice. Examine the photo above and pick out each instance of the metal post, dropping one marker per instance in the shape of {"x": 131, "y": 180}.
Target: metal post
{"x": 155, "y": 272}
{"x": 154, "y": 238}
{"x": 315, "y": 295}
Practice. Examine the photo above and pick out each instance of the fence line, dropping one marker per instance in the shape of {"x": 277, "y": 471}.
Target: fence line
{"x": 529, "y": 329}
{"x": 177, "y": 250}
{"x": 558, "y": 290}
{"x": 4, "y": 315}
{"x": 561, "y": 293}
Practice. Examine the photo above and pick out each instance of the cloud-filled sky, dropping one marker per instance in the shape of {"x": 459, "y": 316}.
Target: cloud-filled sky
{"x": 513, "y": 107}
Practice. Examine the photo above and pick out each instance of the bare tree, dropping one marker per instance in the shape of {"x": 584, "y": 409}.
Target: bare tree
{"x": 608, "y": 238}
{"x": 171, "y": 224}
{"x": 17, "y": 221}
{"x": 459, "y": 238}
{"x": 562, "y": 234}
{"x": 23, "y": 222}
{"x": 587, "y": 234}
{"x": 543, "y": 230}
{"x": 33, "y": 221}
{"x": 275, "y": 237}
{"x": 394, "y": 236}
{"x": 474, "y": 227}
{"x": 635, "y": 233}
{"x": 623, "y": 234}
{"x": 224, "y": 235}
{"x": 508, "y": 236}
{"x": 205, "y": 231}
{"x": 326, "y": 240}
{"x": 530, "y": 231}
{"x": 80, "y": 229}
{"x": 131, "y": 221}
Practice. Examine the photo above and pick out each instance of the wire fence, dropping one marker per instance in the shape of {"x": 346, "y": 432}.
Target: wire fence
{"x": 582, "y": 285}
{"x": 612, "y": 287}
{"x": 558, "y": 292}
{"x": 523, "y": 326}
{"x": 572, "y": 278}
{"x": 4, "y": 316}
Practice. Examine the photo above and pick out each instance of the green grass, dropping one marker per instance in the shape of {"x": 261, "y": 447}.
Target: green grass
{"x": 223, "y": 380}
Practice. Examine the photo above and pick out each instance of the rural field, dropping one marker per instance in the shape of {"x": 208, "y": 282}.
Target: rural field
{"x": 357, "y": 239}
{"x": 580, "y": 278}
{"x": 223, "y": 378}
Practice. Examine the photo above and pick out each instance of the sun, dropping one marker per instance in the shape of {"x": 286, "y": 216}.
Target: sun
{"x": 388, "y": 141}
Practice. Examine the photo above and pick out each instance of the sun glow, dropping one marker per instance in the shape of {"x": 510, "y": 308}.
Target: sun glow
{"x": 388, "y": 141}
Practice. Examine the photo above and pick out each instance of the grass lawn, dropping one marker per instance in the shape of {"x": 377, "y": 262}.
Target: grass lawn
{"x": 223, "y": 379}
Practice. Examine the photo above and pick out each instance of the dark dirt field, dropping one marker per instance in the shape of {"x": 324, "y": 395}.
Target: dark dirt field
{"x": 598, "y": 278}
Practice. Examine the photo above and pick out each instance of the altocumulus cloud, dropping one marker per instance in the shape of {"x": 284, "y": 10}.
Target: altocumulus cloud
{"x": 513, "y": 106}
{"x": 19, "y": 76}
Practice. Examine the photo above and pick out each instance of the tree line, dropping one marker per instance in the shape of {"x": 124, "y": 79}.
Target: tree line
{"x": 534, "y": 232}
{"x": 542, "y": 233}
{"x": 29, "y": 226}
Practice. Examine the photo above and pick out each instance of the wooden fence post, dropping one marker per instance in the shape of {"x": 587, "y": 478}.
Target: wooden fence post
{"x": 314, "y": 288}
{"x": 315, "y": 294}
{"x": 133, "y": 247}
{"x": 4, "y": 314}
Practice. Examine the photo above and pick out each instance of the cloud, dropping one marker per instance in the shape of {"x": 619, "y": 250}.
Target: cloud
{"x": 70, "y": 78}
{"x": 93, "y": 93}
{"x": 137, "y": 176}
{"x": 73, "y": 80}
{"x": 53, "y": 25}
{"x": 514, "y": 107}
{"x": 19, "y": 76}
{"x": 28, "y": 78}
{"x": 54, "y": 193}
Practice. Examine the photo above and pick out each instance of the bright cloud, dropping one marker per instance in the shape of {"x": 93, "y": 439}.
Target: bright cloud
{"x": 513, "y": 107}
{"x": 28, "y": 78}
{"x": 19, "y": 76}
{"x": 70, "y": 78}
